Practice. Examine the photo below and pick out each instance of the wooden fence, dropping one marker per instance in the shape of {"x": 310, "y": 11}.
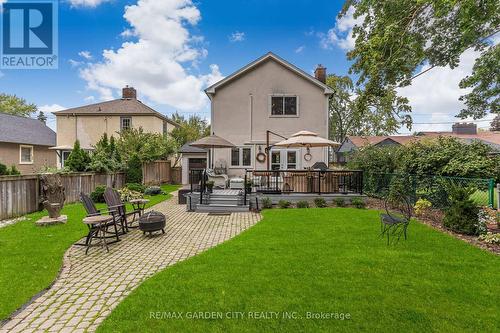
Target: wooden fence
{"x": 20, "y": 195}
{"x": 160, "y": 172}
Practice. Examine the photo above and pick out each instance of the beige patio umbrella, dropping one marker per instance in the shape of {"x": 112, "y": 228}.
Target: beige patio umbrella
{"x": 211, "y": 142}
{"x": 306, "y": 139}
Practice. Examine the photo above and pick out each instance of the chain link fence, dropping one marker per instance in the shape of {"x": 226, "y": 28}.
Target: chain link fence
{"x": 433, "y": 188}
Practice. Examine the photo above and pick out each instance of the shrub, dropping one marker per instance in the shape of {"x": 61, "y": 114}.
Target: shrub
{"x": 78, "y": 160}
{"x": 462, "y": 215}
{"x": 302, "y": 204}
{"x": 134, "y": 170}
{"x": 136, "y": 187}
{"x": 358, "y": 203}
{"x": 14, "y": 171}
{"x": 153, "y": 190}
{"x": 127, "y": 195}
{"x": 490, "y": 238}
{"x": 320, "y": 203}
{"x": 284, "y": 204}
{"x": 267, "y": 203}
{"x": 339, "y": 202}
{"x": 422, "y": 207}
{"x": 3, "y": 170}
{"x": 98, "y": 194}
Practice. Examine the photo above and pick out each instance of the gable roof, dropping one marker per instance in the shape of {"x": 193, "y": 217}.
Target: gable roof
{"x": 211, "y": 90}
{"x": 17, "y": 129}
{"x": 122, "y": 106}
{"x": 187, "y": 148}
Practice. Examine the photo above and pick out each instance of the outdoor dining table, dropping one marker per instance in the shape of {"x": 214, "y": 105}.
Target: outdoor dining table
{"x": 139, "y": 205}
{"x": 98, "y": 222}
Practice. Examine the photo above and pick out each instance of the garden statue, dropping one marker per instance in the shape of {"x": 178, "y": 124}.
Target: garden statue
{"x": 53, "y": 197}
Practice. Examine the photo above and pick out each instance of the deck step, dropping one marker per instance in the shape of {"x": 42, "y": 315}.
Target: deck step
{"x": 221, "y": 208}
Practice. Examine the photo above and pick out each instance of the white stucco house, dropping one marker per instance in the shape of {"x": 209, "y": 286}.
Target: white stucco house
{"x": 263, "y": 102}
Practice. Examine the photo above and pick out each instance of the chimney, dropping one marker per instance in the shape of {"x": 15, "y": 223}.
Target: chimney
{"x": 320, "y": 73}
{"x": 129, "y": 93}
{"x": 464, "y": 128}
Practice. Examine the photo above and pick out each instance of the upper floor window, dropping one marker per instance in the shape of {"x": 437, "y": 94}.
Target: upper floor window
{"x": 241, "y": 156}
{"x": 284, "y": 105}
{"x": 125, "y": 123}
{"x": 25, "y": 154}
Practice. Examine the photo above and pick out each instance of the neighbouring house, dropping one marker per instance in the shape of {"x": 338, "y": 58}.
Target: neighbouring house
{"x": 464, "y": 131}
{"x": 25, "y": 142}
{"x": 88, "y": 123}
{"x": 268, "y": 94}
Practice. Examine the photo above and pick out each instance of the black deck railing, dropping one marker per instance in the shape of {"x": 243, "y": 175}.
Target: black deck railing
{"x": 305, "y": 181}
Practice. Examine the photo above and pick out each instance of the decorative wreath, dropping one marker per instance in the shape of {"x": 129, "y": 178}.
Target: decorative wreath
{"x": 307, "y": 157}
{"x": 260, "y": 157}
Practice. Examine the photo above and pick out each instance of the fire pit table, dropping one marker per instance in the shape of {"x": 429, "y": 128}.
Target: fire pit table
{"x": 152, "y": 221}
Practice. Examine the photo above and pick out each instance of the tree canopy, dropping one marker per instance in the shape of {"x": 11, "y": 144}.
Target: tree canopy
{"x": 351, "y": 114}
{"x": 146, "y": 146}
{"x": 189, "y": 130}
{"x": 17, "y": 106}
{"x": 397, "y": 37}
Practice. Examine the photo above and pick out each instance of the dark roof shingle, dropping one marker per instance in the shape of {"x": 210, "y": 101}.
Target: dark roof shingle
{"x": 120, "y": 106}
{"x": 16, "y": 129}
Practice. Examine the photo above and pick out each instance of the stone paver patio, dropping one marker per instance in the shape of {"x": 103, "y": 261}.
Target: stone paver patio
{"x": 91, "y": 286}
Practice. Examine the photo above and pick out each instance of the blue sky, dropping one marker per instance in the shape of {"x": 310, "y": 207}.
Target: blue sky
{"x": 174, "y": 48}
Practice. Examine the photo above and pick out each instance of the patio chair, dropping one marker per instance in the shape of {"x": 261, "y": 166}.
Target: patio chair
{"x": 117, "y": 208}
{"x": 92, "y": 210}
{"x": 220, "y": 180}
{"x": 398, "y": 212}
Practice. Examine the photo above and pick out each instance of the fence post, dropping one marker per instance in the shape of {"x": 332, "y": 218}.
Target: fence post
{"x": 491, "y": 193}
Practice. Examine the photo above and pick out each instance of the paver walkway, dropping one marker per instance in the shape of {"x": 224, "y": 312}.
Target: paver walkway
{"x": 90, "y": 286}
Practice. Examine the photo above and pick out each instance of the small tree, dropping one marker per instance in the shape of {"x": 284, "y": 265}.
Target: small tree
{"x": 42, "y": 117}
{"x": 134, "y": 170}
{"x": 78, "y": 160}
{"x": 495, "y": 124}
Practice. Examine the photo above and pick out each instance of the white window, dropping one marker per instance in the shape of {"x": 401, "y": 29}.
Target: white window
{"x": 25, "y": 154}
{"x": 125, "y": 123}
{"x": 285, "y": 159}
{"x": 241, "y": 157}
{"x": 284, "y": 106}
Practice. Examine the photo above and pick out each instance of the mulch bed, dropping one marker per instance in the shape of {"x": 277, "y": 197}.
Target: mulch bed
{"x": 434, "y": 219}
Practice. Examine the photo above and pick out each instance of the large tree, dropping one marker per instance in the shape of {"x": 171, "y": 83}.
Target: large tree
{"x": 12, "y": 104}
{"x": 397, "y": 37}
{"x": 190, "y": 129}
{"x": 495, "y": 124}
{"x": 351, "y": 113}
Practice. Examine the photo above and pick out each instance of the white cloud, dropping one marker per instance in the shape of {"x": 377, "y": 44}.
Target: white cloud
{"x": 434, "y": 95}
{"x": 89, "y": 99}
{"x": 75, "y": 63}
{"x": 300, "y": 49}
{"x": 127, "y": 33}
{"x": 341, "y": 34}
{"x": 51, "y": 108}
{"x": 155, "y": 63}
{"x": 85, "y": 54}
{"x": 237, "y": 37}
{"x": 86, "y": 3}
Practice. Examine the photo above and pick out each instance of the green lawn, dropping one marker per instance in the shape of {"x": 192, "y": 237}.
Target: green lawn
{"x": 322, "y": 260}
{"x": 31, "y": 256}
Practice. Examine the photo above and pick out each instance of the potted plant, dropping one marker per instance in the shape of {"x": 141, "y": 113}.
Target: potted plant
{"x": 210, "y": 186}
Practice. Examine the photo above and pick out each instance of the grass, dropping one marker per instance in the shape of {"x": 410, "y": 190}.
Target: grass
{"x": 322, "y": 260}
{"x": 31, "y": 256}
{"x": 482, "y": 198}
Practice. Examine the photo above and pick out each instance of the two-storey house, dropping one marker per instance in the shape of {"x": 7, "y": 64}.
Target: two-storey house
{"x": 269, "y": 98}
{"x": 88, "y": 123}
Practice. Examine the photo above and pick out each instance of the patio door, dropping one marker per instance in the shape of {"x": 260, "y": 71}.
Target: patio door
{"x": 284, "y": 159}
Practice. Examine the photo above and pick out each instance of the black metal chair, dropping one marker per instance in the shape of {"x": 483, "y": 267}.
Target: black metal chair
{"x": 117, "y": 208}
{"x": 398, "y": 212}
{"x": 92, "y": 210}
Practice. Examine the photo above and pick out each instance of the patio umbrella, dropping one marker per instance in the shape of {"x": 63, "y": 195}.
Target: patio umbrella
{"x": 306, "y": 139}
{"x": 211, "y": 142}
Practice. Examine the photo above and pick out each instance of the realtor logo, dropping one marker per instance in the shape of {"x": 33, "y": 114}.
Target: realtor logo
{"x": 29, "y": 34}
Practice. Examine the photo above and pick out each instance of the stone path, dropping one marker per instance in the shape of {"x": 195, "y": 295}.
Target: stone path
{"x": 92, "y": 285}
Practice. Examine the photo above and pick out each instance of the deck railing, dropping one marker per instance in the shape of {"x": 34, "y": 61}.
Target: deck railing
{"x": 305, "y": 181}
